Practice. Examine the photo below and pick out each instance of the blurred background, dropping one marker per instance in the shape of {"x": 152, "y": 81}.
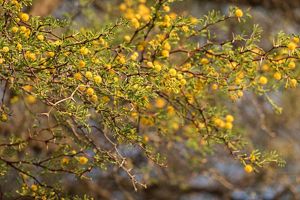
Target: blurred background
{"x": 217, "y": 176}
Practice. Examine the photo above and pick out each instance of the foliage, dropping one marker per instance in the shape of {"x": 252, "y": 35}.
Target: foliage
{"x": 149, "y": 78}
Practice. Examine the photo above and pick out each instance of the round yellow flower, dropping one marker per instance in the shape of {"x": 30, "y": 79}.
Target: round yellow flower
{"x": 160, "y": 103}
{"x": 24, "y": 17}
{"x": 292, "y": 46}
{"x": 40, "y": 37}
{"x": 239, "y": 13}
{"x": 248, "y": 168}
{"x": 172, "y": 72}
{"x": 277, "y": 75}
{"x": 34, "y": 187}
{"x": 30, "y": 99}
{"x": 229, "y": 118}
{"x": 89, "y": 75}
{"x": 292, "y": 65}
{"x": 5, "y": 49}
{"x": 98, "y": 79}
{"x": 77, "y": 76}
{"x": 90, "y": 91}
{"x": 293, "y": 83}
{"x": 83, "y": 160}
{"x": 263, "y": 80}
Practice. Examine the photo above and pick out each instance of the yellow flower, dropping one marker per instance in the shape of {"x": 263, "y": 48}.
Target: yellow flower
{"x": 34, "y": 187}
{"x": 30, "y": 99}
{"x": 166, "y": 8}
{"x": 166, "y": 46}
{"x": 5, "y": 49}
{"x": 165, "y": 53}
{"x": 292, "y": 65}
{"x": 81, "y": 64}
{"x": 89, "y": 75}
{"x": 296, "y": 39}
{"x": 77, "y": 76}
{"x": 90, "y": 91}
{"x": 19, "y": 47}
{"x": 292, "y": 46}
{"x": 214, "y": 86}
{"x": 65, "y": 160}
{"x": 248, "y": 168}
{"x": 27, "y": 88}
{"x": 40, "y": 37}
{"x": 82, "y": 160}
{"x": 134, "y": 56}
{"x": 50, "y": 54}
{"x": 94, "y": 98}
{"x": 183, "y": 81}
{"x": 122, "y": 59}
{"x": 229, "y": 118}
{"x": 81, "y": 88}
{"x": 4, "y": 117}
{"x": 135, "y": 23}
{"x": 83, "y": 51}
{"x": 218, "y": 122}
{"x": 263, "y": 80}
{"x": 293, "y": 83}
{"x": 265, "y": 68}
{"x": 127, "y": 38}
{"x": 239, "y": 13}
{"x": 24, "y": 17}
{"x": 98, "y": 79}
{"x": 14, "y": 29}
{"x": 172, "y": 72}
{"x": 204, "y": 61}
{"x": 157, "y": 67}
{"x": 160, "y": 102}
{"x": 277, "y": 75}
{"x": 228, "y": 125}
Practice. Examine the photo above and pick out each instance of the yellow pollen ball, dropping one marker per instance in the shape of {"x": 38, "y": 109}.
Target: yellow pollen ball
{"x": 165, "y": 53}
{"x": 82, "y": 160}
{"x": 14, "y": 29}
{"x": 160, "y": 103}
{"x": 94, "y": 98}
{"x": 40, "y": 37}
{"x": 291, "y": 46}
{"x": 229, "y": 118}
{"x": 172, "y": 72}
{"x": 34, "y": 187}
{"x": 5, "y": 49}
{"x": 24, "y": 17}
{"x": 293, "y": 83}
{"x": 77, "y": 76}
{"x": 84, "y": 51}
{"x": 65, "y": 161}
{"x": 89, "y": 75}
{"x": 204, "y": 61}
{"x": 90, "y": 91}
{"x": 81, "y": 88}
{"x": 214, "y": 86}
{"x": 228, "y": 125}
{"x": 166, "y": 8}
{"x": 50, "y": 54}
{"x": 30, "y": 99}
{"x": 98, "y": 79}
{"x": 248, "y": 168}
{"x": 263, "y": 80}
{"x": 239, "y": 13}
{"x": 277, "y": 76}
{"x": 81, "y": 63}
{"x": 292, "y": 65}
